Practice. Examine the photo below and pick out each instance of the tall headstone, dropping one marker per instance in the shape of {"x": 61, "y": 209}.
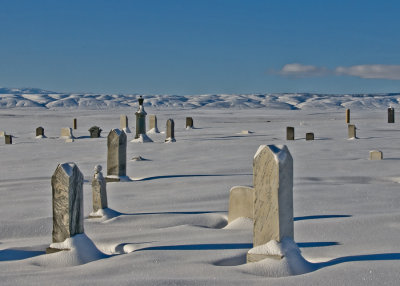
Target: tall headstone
{"x": 273, "y": 196}
{"x": 170, "y": 137}
{"x": 189, "y": 122}
{"x": 67, "y": 189}
{"x": 347, "y": 115}
{"x": 123, "y": 121}
{"x": 153, "y": 124}
{"x": 99, "y": 190}
{"x": 40, "y": 132}
{"x": 66, "y": 133}
{"x": 241, "y": 203}
{"x": 95, "y": 131}
{"x": 140, "y": 119}
{"x": 116, "y": 155}
{"x": 8, "y": 139}
{"x": 390, "y": 115}
{"x": 309, "y": 136}
{"x": 351, "y": 131}
{"x": 375, "y": 155}
{"x": 289, "y": 133}
{"x": 75, "y": 123}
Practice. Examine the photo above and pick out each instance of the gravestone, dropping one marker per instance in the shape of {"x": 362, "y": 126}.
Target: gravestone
{"x": 67, "y": 190}
{"x": 390, "y": 115}
{"x": 153, "y": 124}
{"x": 95, "y": 132}
{"x": 2, "y": 133}
{"x": 375, "y": 155}
{"x": 351, "y": 131}
{"x": 75, "y": 124}
{"x": 40, "y": 132}
{"x": 99, "y": 191}
{"x": 189, "y": 122}
{"x": 140, "y": 119}
{"x": 289, "y": 133}
{"x": 273, "y": 197}
{"x": 66, "y": 133}
{"x": 170, "y": 131}
{"x": 8, "y": 139}
{"x": 123, "y": 121}
{"x": 347, "y": 115}
{"x": 241, "y": 203}
{"x": 309, "y": 136}
{"x": 116, "y": 155}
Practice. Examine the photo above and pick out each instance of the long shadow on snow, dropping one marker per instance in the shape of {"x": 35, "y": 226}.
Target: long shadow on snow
{"x": 355, "y": 258}
{"x": 187, "y": 176}
{"x": 18, "y": 254}
{"x": 318, "y": 217}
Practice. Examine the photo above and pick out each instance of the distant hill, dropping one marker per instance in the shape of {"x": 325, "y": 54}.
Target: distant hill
{"x": 38, "y": 98}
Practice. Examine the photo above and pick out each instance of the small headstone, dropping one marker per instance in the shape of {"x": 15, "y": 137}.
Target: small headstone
{"x": 189, "y": 122}
{"x": 116, "y": 155}
{"x": 390, "y": 115}
{"x": 241, "y": 203}
{"x": 375, "y": 155}
{"x": 309, "y": 136}
{"x": 67, "y": 189}
{"x": 8, "y": 139}
{"x": 75, "y": 125}
{"x": 66, "y": 133}
{"x": 347, "y": 115}
{"x": 289, "y": 133}
{"x": 99, "y": 191}
{"x": 273, "y": 196}
{"x": 170, "y": 131}
{"x": 2, "y": 133}
{"x": 351, "y": 131}
{"x": 123, "y": 121}
{"x": 140, "y": 119}
{"x": 40, "y": 132}
{"x": 153, "y": 124}
{"x": 95, "y": 132}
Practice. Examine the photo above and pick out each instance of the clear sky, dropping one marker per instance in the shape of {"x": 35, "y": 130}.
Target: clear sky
{"x": 201, "y": 46}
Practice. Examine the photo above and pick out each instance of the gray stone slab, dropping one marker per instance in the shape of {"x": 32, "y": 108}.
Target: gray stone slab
{"x": 241, "y": 203}
{"x": 140, "y": 119}
{"x": 170, "y": 133}
{"x": 347, "y": 115}
{"x": 309, "y": 136}
{"x": 351, "y": 131}
{"x": 390, "y": 115}
{"x": 8, "y": 139}
{"x": 99, "y": 190}
{"x": 189, "y": 122}
{"x": 289, "y": 133}
{"x": 66, "y": 133}
{"x": 40, "y": 131}
{"x": 153, "y": 123}
{"x": 375, "y": 155}
{"x": 116, "y": 153}
{"x": 75, "y": 123}
{"x": 95, "y": 132}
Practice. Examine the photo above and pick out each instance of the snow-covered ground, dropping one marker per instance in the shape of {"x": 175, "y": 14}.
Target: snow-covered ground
{"x": 168, "y": 226}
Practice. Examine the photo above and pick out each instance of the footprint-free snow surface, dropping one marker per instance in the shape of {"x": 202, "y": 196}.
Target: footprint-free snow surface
{"x": 168, "y": 224}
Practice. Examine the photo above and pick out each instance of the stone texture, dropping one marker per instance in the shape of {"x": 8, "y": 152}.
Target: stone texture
{"x": 67, "y": 189}
{"x": 75, "y": 123}
{"x": 99, "y": 190}
{"x": 66, "y": 133}
{"x": 170, "y": 137}
{"x": 390, "y": 115}
{"x": 375, "y": 155}
{"x": 189, "y": 122}
{"x": 309, "y": 136}
{"x": 40, "y": 131}
{"x": 116, "y": 153}
{"x": 289, "y": 133}
{"x": 95, "y": 132}
{"x": 140, "y": 119}
{"x": 153, "y": 123}
{"x": 273, "y": 195}
{"x": 123, "y": 121}
{"x": 8, "y": 139}
{"x": 241, "y": 203}
{"x": 347, "y": 115}
{"x": 351, "y": 131}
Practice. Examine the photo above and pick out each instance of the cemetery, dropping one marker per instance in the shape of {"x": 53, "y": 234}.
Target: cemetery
{"x": 216, "y": 207}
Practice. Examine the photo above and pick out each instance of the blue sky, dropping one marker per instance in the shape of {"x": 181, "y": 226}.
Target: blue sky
{"x": 200, "y": 46}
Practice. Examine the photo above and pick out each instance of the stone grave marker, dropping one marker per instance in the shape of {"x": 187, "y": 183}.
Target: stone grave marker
{"x": 2, "y": 133}
{"x": 351, "y": 131}
{"x": 153, "y": 124}
{"x": 116, "y": 155}
{"x": 75, "y": 123}
{"x": 309, "y": 136}
{"x": 95, "y": 132}
{"x": 170, "y": 137}
{"x": 67, "y": 190}
{"x": 99, "y": 191}
{"x": 66, "y": 133}
{"x": 40, "y": 132}
{"x": 375, "y": 155}
{"x": 189, "y": 122}
{"x": 390, "y": 115}
{"x": 140, "y": 119}
{"x": 289, "y": 133}
{"x": 123, "y": 121}
{"x": 347, "y": 115}
{"x": 241, "y": 203}
{"x": 8, "y": 139}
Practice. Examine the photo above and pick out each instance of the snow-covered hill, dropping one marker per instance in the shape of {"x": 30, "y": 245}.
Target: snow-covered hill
{"x": 33, "y": 97}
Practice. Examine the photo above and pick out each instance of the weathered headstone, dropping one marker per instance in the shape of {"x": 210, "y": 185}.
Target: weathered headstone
{"x": 170, "y": 137}
{"x": 40, "y": 132}
{"x": 375, "y": 155}
{"x": 66, "y": 133}
{"x": 123, "y": 121}
{"x": 289, "y": 133}
{"x": 241, "y": 203}
{"x": 99, "y": 191}
{"x": 153, "y": 124}
{"x": 140, "y": 119}
{"x": 390, "y": 115}
{"x": 309, "y": 136}
{"x": 67, "y": 189}
{"x": 273, "y": 197}
{"x": 116, "y": 155}
{"x": 351, "y": 131}
{"x": 189, "y": 122}
{"x": 2, "y": 133}
{"x": 95, "y": 132}
{"x": 8, "y": 139}
{"x": 347, "y": 115}
{"x": 75, "y": 123}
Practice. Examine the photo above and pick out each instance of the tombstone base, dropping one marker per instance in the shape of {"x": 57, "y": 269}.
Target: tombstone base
{"x": 95, "y": 216}
{"x": 255, "y": 257}
{"x": 50, "y": 250}
{"x": 112, "y": 179}
{"x": 169, "y": 140}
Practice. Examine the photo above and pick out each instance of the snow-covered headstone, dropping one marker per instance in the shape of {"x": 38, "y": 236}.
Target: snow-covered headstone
{"x": 40, "y": 132}
{"x": 375, "y": 155}
{"x": 289, "y": 133}
{"x": 390, "y": 115}
{"x": 99, "y": 190}
{"x": 273, "y": 196}
{"x": 170, "y": 137}
{"x": 140, "y": 119}
{"x": 67, "y": 189}
{"x": 153, "y": 124}
{"x": 66, "y": 133}
{"x": 189, "y": 122}
{"x": 347, "y": 115}
{"x": 123, "y": 121}
{"x": 309, "y": 136}
{"x": 241, "y": 203}
{"x": 116, "y": 155}
{"x": 351, "y": 133}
